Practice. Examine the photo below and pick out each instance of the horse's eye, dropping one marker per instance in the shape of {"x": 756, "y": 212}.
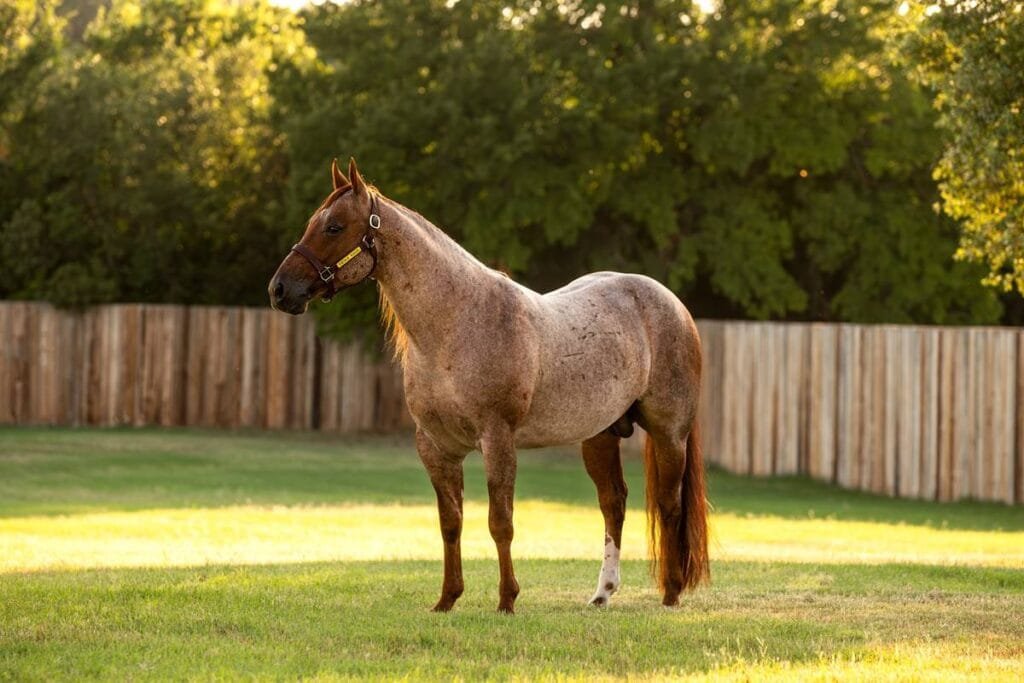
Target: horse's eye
{"x": 333, "y": 229}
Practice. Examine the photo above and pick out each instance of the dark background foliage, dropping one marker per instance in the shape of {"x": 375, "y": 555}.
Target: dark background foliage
{"x": 773, "y": 159}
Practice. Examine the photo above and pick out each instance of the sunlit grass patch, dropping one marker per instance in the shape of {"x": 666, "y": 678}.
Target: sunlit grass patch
{"x": 169, "y": 555}
{"x": 916, "y": 661}
{"x": 255, "y": 534}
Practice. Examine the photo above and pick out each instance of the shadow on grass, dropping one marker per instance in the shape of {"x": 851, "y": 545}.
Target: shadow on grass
{"x": 801, "y": 497}
{"x": 66, "y": 471}
{"x": 370, "y": 618}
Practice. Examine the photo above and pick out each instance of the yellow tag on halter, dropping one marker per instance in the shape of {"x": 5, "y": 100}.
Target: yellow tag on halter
{"x": 348, "y": 257}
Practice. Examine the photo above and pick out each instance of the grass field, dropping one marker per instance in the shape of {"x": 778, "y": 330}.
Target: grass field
{"x": 157, "y": 554}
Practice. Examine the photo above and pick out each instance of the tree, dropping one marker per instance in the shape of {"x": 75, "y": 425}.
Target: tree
{"x": 29, "y": 44}
{"x": 147, "y": 167}
{"x": 973, "y": 55}
{"x": 770, "y": 160}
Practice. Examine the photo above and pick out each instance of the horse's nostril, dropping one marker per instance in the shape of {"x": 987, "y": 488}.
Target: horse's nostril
{"x": 279, "y": 291}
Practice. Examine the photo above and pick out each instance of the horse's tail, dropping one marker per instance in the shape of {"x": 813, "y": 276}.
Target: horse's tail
{"x": 687, "y": 534}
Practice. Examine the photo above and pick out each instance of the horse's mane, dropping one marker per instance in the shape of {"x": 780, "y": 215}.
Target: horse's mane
{"x": 396, "y": 335}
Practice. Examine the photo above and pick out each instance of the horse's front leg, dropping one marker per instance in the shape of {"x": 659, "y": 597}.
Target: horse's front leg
{"x": 445, "y": 471}
{"x": 500, "y": 467}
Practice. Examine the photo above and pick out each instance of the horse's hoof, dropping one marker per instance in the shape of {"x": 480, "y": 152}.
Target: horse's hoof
{"x": 506, "y": 609}
{"x": 598, "y": 601}
{"x": 443, "y": 606}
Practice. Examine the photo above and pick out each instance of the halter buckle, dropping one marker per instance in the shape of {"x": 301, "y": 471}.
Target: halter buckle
{"x": 374, "y": 221}
{"x": 326, "y": 274}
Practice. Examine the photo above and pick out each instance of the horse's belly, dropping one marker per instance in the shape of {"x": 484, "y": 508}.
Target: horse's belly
{"x": 541, "y": 431}
{"x": 582, "y": 392}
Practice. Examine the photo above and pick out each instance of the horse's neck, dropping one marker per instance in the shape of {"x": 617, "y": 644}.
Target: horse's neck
{"x": 425, "y": 277}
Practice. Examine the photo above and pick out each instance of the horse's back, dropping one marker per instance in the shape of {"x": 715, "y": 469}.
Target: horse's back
{"x": 639, "y": 302}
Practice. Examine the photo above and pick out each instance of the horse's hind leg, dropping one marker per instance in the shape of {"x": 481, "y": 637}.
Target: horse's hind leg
{"x": 601, "y": 458}
{"x": 445, "y": 471}
{"x": 677, "y": 509}
{"x": 666, "y": 456}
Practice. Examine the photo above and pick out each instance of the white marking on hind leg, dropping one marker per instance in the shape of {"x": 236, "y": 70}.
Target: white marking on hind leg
{"x": 608, "y": 580}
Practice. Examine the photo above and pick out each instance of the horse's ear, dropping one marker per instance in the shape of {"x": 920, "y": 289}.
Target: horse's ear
{"x": 358, "y": 186}
{"x": 337, "y": 176}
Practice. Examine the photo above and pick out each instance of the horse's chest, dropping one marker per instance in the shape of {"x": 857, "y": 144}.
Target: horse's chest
{"x": 437, "y": 410}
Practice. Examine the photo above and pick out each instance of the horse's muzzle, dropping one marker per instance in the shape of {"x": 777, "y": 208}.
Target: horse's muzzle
{"x": 288, "y": 296}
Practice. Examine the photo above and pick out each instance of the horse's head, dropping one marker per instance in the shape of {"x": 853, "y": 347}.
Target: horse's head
{"x": 336, "y": 251}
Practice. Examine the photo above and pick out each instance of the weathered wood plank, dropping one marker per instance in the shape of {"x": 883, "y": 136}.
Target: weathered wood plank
{"x": 727, "y": 438}
{"x": 1018, "y": 474}
{"x": 928, "y": 440}
{"x": 195, "y": 374}
{"x": 1000, "y": 469}
{"x": 947, "y": 436}
{"x": 763, "y": 364}
{"x": 22, "y": 343}
{"x": 889, "y": 409}
{"x": 964, "y": 414}
{"x": 330, "y": 381}
{"x": 248, "y": 408}
{"x": 7, "y": 352}
{"x": 46, "y": 367}
{"x": 849, "y": 429}
{"x": 276, "y": 397}
{"x": 743, "y": 401}
{"x": 822, "y": 394}
{"x": 304, "y": 370}
{"x": 789, "y": 390}
{"x": 708, "y": 413}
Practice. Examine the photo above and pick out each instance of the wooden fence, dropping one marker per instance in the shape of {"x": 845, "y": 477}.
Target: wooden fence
{"x": 920, "y": 412}
{"x": 916, "y": 412}
{"x": 199, "y": 366}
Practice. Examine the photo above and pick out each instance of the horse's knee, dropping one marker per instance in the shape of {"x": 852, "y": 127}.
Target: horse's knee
{"x": 501, "y": 528}
{"x": 451, "y": 532}
{"x": 499, "y": 520}
{"x": 450, "y": 518}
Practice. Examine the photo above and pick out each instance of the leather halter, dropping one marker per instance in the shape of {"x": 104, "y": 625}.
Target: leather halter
{"x": 327, "y": 272}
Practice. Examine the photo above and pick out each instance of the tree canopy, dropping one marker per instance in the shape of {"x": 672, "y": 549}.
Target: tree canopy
{"x": 973, "y": 54}
{"x": 146, "y": 165}
{"x": 772, "y": 159}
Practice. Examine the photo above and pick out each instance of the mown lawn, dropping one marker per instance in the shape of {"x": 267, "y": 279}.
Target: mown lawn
{"x": 184, "y": 554}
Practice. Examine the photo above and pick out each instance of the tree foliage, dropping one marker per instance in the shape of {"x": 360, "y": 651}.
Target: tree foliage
{"x": 772, "y": 159}
{"x": 146, "y": 166}
{"x": 973, "y": 55}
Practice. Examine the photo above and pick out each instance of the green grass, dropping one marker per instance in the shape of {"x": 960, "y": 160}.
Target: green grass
{"x": 182, "y": 554}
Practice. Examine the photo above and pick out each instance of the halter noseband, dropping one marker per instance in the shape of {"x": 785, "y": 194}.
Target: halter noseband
{"x": 327, "y": 272}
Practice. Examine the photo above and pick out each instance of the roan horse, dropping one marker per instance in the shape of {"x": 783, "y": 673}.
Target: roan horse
{"x": 491, "y": 365}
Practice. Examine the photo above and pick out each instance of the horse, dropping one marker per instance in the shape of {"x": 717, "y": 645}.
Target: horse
{"x": 491, "y": 365}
